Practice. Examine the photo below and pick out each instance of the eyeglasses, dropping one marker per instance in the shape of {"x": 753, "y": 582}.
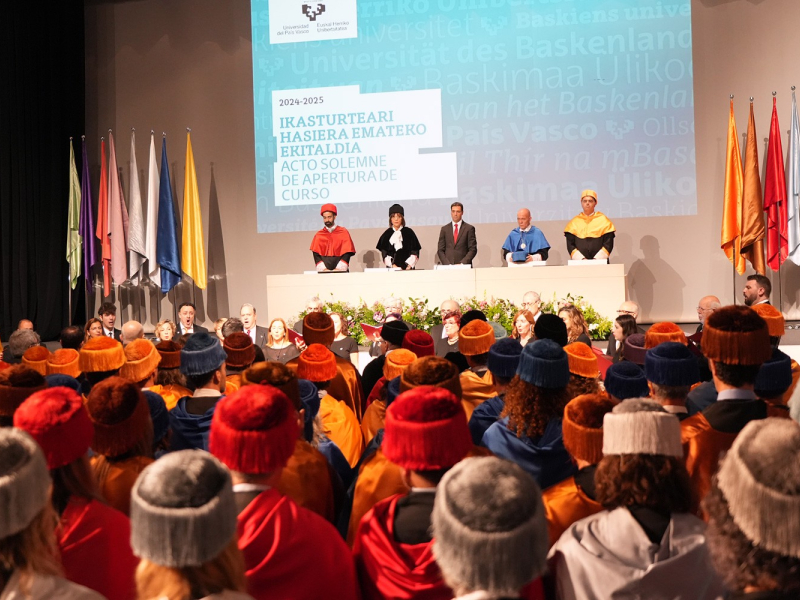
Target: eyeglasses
{"x": 531, "y": 303}
{"x": 701, "y": 309}
{"x": 626, "y": 312}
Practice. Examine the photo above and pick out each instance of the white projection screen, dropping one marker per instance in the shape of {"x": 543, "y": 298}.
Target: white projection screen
{"x": 496, "y": 103}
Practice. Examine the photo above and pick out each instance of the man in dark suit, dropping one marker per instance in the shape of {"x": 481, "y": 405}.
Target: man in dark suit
{"x": 257, "y": 333}
{"x": 186, "y": 324}
{"x": 108, "y": 315}
{"x": 457, "y": 242}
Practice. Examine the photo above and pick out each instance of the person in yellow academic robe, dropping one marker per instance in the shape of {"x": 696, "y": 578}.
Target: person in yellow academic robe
{"x": 590, "y": 235}
{"x": 474, "y": 341}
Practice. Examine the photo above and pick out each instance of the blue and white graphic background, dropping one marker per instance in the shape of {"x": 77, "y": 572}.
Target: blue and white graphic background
{"x": 539, "y": 100}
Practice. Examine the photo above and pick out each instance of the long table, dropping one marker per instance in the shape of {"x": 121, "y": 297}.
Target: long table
{"x": 601, "y": 285}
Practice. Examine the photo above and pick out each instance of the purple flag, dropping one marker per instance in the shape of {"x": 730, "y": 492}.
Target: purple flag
{"x": 86, "y": 225}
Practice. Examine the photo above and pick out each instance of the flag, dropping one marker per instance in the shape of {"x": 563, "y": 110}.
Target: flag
{"x": 752, "y": 228}
{"x": 793, "y": 187}
{"x": 151, "y": 228}
{"x": 87, "y": 220}
{"x": 136, "y": 241}
{"x": 167, "y": 245}
{"x": 117, "y": 219}
{"x": 192, "y": 247}
{"x": 74, "y": 242}
{"x": 102, "y": 220}
{"x": 732, "y": 202}
{"x": 775, "y": 196}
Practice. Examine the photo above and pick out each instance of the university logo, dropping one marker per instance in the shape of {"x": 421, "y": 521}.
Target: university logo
{"x": 312, "y": 11}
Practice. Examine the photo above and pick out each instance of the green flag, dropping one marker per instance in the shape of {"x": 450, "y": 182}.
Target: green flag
{"x": 74, "y": 240}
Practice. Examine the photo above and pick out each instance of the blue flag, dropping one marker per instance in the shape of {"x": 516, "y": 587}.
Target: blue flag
{"x": 86, "y": 226}
{"x": 167, "y": 241}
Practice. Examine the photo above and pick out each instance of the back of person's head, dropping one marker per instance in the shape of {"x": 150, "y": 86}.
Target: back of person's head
{"x": 583, "y": 368}
{"x": 419, "y": 342}
{"x": 393, "y": 332}
{"x": 276, "y": 374}
{"x": 21, "y": 340}
{"x": 36, "y": 358}
{"x": 240, "y": 351}
{"x": 64, "y": 361}
{"x": 489, "y": 528}
{"x": 642, "y": 461}
{"x": 121, "y": 419}
{"x": 426, "y": 431}
{"x": 17, "y": 383}
{"x": 254, "y": 430}
{"x": 431, "y": 370}
{"x": 141, "y": 361}
{"x": 582, "y": 426}
{"x": 201, "y": 356}
{"x": 664, "y": 332}
{"x": 183, "y": 527}
{"x": 318, "y": 329}
{"x": 58, "y": 421}
{"x": 100, "y": 358}
{"x": 753, "y": 509}
{"x": 550, "y": 327}
{"x": 774, "y": 377}
{"x": 626, "y": 380}
{"x": 736, "y": 341}
{"x": 672, "y": 370}
{"x": 71, "y": 337}
{"x": 27, "y": 532}
{"x": 169, "y": 372}
{"x": 232, "y": 325}
{"x": 503, "y": 359}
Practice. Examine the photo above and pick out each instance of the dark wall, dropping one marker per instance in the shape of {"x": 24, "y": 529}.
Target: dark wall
{"x": 41, "y": 106}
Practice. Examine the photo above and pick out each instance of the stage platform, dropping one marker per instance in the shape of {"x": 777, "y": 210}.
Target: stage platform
{"x": 603, "y": 286}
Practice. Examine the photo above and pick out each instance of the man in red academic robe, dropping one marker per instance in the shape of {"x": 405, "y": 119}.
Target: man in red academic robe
{"x": 426, "y": 434}
{"x": 253, "y": 433}
{"x": 332, "y": 246}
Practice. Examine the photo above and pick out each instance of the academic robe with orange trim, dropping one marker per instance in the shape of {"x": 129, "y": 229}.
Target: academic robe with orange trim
{"x": 342, "y": 428}
{"x": 378, "y": 478}
{"x": 329, "y": 247}
{"x": 566, "y": 503}
{"x": 306, "y": 479}
{"x": 346, "y": 386}
{"x": 95, "y": 548}
{"x": 233, "y": 383}
{"x": 118, "y": 482}
{"x": 710, "y": 433}
{"x": 475, "y": 389}
{"x": 388, "y": 569}
{"x": 374, "y": 419}
{"x": 170, "y": 393}
{"x": 589, "y": 234}
{"x": 291, "y": 552}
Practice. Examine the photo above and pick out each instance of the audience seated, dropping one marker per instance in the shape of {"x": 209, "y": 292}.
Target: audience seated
{"x": 474, "y": 341}
{"x": 502, "y": 363}
{"x": 646, "y": 544}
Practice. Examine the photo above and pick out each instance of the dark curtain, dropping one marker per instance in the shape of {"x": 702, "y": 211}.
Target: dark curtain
{"x": 41, "y": 106}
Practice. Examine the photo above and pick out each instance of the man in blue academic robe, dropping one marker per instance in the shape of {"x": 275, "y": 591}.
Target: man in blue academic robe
{"x": 525, "y": 243}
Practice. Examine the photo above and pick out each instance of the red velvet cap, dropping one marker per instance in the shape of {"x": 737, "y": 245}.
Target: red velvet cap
{"x": 170, "y": 355}
{"x": 426, "y": 429}
{"x": 17, "y": 383}
{"x": 240, "y": 350}
{"x": 56, "y": 419}
{"x": 254, "y": 430}
{"x": 328, "y": 208}
{"x": 419, "y": 342}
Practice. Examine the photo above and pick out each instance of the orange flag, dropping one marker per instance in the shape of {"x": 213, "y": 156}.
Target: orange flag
{"x": 732, "y": 203}
{"x": 753, "y": 229}
{"x": 102, "y": 220}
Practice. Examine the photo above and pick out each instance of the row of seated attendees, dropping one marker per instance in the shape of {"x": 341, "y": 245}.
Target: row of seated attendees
{"x": 513, "y": 467}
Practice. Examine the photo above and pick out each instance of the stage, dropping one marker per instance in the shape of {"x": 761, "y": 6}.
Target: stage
{"x": 603, "y": 286}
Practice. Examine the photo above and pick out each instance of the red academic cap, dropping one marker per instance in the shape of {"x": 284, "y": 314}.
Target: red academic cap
{"x": 328, "y": 208}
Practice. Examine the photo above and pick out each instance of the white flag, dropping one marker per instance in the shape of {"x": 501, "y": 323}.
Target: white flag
{"x": 793, "y": 186}
{"x": 136, "y": 248}
{"x": 151, "y": 230}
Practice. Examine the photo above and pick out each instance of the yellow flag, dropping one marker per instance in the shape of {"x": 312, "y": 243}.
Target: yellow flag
{"x": 732, "y": 203}
{"x": 193, "y": 253}
{"x": 752, "y": 224}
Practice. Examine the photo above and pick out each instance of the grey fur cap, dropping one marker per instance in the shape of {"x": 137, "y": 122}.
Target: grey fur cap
{"x": 760, "y": 479}
{"x": 641, "y": 426}
{"x": 489, "y": 527}
{"x": 24, "y": 481}
{"x": 182, "y": 510}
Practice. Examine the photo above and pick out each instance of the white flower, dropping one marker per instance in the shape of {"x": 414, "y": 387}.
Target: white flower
{"x": 593, "y": 326}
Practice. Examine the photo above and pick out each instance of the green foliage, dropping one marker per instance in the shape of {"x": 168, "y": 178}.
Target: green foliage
{"x": 419, "y": 313}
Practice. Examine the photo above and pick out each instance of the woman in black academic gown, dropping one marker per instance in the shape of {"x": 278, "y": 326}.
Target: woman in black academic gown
{"x": 399, "y": 245}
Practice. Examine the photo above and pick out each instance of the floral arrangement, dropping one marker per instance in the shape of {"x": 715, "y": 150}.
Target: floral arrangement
{"x": 419, "y": 313}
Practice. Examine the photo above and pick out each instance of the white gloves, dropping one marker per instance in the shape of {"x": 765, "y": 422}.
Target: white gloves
{"x": 411, "y": 261}
{"x": 388, "y": 261}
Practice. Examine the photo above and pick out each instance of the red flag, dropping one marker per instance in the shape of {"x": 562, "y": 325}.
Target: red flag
{"x": 775, "y": 197}
{"x": 102, "y": 220}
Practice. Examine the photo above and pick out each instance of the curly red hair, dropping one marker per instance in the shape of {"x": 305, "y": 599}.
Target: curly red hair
{"x": 530, "y": 408}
